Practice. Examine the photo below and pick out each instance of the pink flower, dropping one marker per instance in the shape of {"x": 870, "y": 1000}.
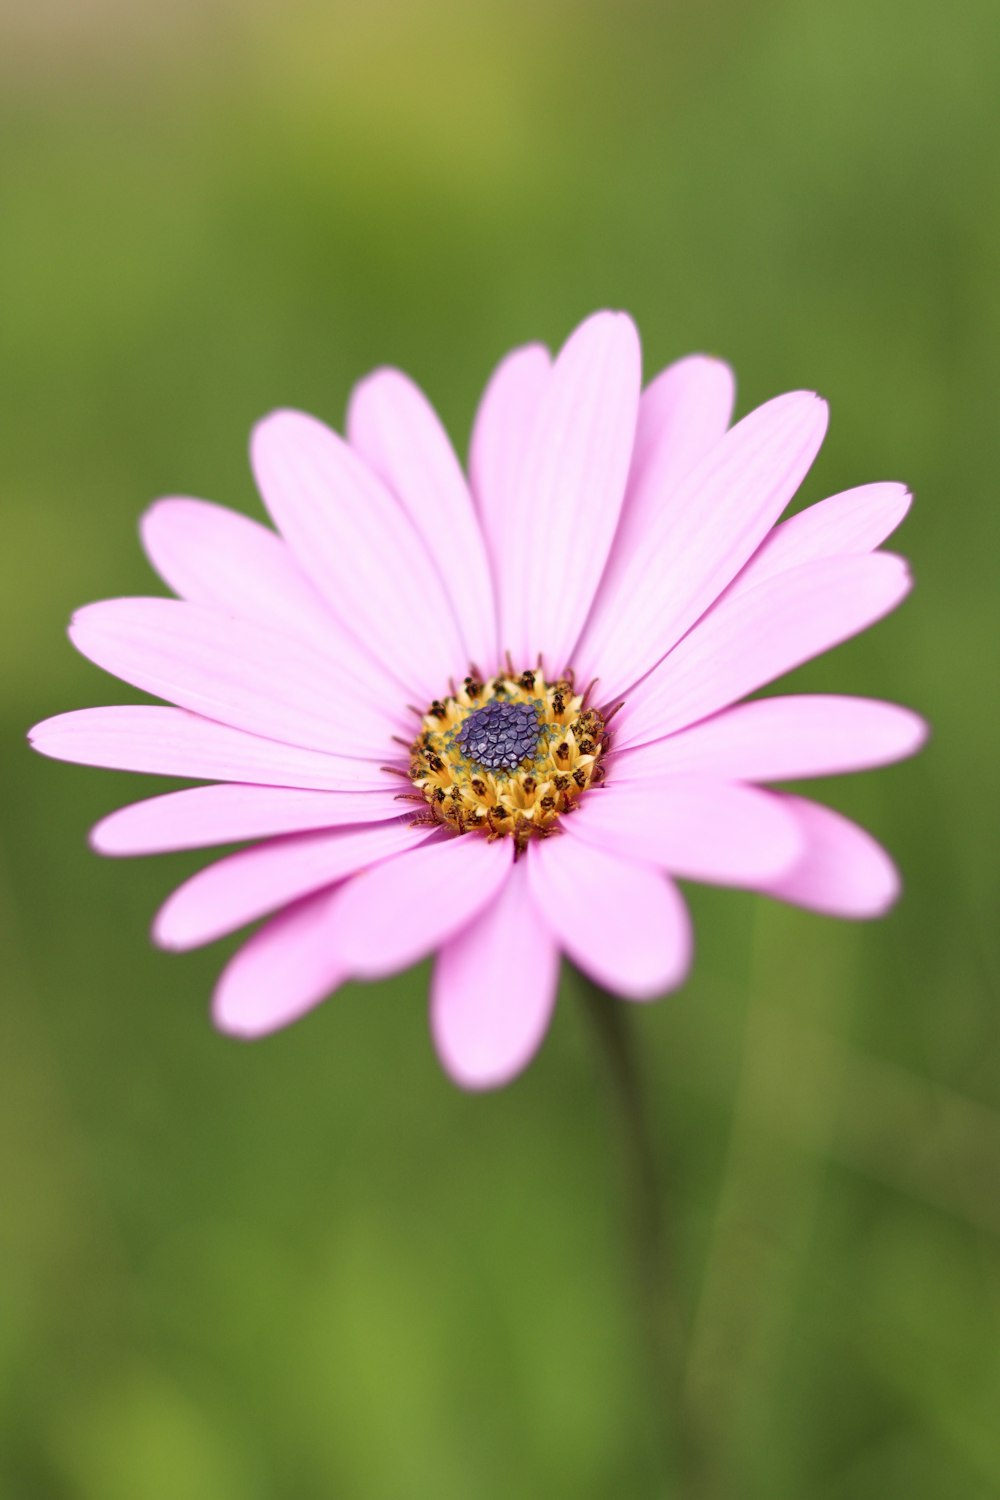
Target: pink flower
{"x": 410, "y": 631}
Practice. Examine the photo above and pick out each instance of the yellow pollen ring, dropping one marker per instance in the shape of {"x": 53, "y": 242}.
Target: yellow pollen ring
{"x": 527, "y": 800}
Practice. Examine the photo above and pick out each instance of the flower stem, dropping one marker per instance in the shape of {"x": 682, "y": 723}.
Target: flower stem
{"x": 657, "y": 1316}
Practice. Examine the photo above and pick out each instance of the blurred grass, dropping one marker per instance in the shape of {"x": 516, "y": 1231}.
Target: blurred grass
{"x": 311, "y": 1267}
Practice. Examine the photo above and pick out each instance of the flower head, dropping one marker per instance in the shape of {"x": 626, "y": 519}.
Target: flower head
{"x": 495, "y": 718}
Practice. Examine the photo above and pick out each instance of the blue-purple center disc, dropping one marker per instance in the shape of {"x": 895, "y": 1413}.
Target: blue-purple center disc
{"x": 499, "y": 736}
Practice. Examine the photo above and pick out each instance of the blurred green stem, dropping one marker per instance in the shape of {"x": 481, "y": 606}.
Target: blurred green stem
{"x": 660, "y": 1326}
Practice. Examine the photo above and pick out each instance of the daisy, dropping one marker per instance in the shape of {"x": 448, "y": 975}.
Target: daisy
{"x": 495, "y": 717}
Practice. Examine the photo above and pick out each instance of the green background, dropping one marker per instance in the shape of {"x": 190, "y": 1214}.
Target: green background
{"x": 311, "y": 1267}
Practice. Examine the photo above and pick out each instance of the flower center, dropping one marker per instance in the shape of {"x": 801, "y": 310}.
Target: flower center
{"x": 507, "y": 757}
{"x": 501, "y": 735}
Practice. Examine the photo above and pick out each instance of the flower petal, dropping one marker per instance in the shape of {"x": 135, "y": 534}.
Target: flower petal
{"x": 779, "y": 739}
{"x": 752, "y": 637}
{"x": 393, "y": 426}
{"x": 213, "y": 556}
{"x": 400, "y": 911}
{"x": 172, "y": 742}
{"x": 254, "y": 882}
{"x": 857, "y": 520}
{"x": 494, "y": 989}
{"x": 238, "y": 672}
{"x": 683, "y": 413}
{"x": 500, "y": 437}
{"x": 701, "y": 535}
{"x": 841, "y": 871}
{"x": 282, "y": 972}
{"x": 355, "y": 541}
{"x": 562, "y": 513}
{"x": 624, "y": 923}
{"x": 201, "y": 816}
{"x": 697, "y": 827}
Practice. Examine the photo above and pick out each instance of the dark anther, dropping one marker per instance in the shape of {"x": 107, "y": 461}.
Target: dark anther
{"x": 527, "y": 681}
{"x": 479, "y": 787}
{"x": 438, "y": 709}
{"x": 529, "y": 783}
{"x": 562, "y": 783}
{"x": 580, "y": 777}
{"x": 435, "y": 762}
{"x": 439, "y": 794}
{"x": 562, "y": 750}
{"x": 558, "y": 703}
{"x": 587, "y": 747}
{"x": 548, "y": 803}
{"x": 499, "y": 812}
